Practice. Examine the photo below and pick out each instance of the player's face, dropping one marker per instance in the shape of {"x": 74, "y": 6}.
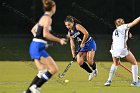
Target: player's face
{"x": 54, "y": 9}
{"x": 69, "y": 25}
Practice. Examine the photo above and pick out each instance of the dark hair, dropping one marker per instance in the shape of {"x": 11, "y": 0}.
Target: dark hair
{"x": 48, "y": 4}
{"x": 71, "y": 19}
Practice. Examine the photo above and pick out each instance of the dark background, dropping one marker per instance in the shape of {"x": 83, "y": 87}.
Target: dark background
{"x": 18, "y": 16}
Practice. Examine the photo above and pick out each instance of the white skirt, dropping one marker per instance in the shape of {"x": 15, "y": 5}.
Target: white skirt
{"x": 119, "y": 53}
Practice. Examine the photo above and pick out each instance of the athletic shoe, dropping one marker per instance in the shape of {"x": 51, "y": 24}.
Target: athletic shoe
{"x": 90, "y": 76}
{"x": 135, "y": 84}
{"x": 95, "y": 72}
{"x": 108, "y": 83}
{"x": 33, "y": 89}
{"x": 38, "y": 90}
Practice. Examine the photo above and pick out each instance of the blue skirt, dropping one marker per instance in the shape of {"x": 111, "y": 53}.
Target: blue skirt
{"x": 37, "y": 50}
{"x": 89, "y": 45}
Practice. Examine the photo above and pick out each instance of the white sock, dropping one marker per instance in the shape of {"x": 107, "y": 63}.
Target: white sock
{"x": 41, "y": 72}
{"x": 112, "y": 72}
{"x": 135, "y": 73}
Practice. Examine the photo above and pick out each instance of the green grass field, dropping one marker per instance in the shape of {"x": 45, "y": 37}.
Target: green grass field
{"x": 16, "y": 76}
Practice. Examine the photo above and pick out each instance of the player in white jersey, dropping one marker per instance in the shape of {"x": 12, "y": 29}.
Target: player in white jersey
{"x": 119, "y": 50}
{"x": 120, "y": 37}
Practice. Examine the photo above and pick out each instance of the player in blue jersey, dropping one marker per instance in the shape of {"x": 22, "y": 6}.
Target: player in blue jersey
{"x": 86, "y": 44}
{"x": 44, "y": 62}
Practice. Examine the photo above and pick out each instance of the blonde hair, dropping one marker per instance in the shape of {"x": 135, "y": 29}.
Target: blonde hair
{"x": 48, "y": 4}
{"x": 119, "y": 21}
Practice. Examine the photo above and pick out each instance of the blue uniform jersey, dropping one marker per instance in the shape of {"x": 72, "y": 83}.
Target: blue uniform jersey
{"x": 39, "y": 32}
{"x": 37, "y": 46}
{"x": 78, "y": 36}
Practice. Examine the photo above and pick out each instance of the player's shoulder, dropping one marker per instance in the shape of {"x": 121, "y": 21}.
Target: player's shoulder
{"x": 76, "y": 25}
{"x": 124, "y": 26}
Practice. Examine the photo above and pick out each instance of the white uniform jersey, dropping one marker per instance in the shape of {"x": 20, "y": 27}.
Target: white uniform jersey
{"x": 120, "y": 37}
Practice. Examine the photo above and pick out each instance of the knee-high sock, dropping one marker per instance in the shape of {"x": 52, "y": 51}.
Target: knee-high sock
{"x": 112, "y": 72}
{"x": 36, "y": 79}
{"x": 45, "y": 77}
{"x": 135, "y": 73}
{"x": 86, "y": 67}
{"x": 93, "y": 66}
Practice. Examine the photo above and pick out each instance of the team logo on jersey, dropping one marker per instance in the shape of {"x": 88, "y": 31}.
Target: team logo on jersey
{"x": 75, "y": 34}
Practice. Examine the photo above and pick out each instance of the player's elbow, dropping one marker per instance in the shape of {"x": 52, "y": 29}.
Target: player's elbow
{"x": 32, "y": 31}
{"x": 45, "y": 35}
{"x": 86, "y": 34}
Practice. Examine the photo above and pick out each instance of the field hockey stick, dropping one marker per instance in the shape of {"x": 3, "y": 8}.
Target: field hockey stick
{"x": 127, "y": 69}
{"x": 68, "y": 66}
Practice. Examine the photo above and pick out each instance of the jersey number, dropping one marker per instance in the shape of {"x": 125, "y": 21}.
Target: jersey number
{"x": 78, "y": 39}
{"x": 116, "y": 33}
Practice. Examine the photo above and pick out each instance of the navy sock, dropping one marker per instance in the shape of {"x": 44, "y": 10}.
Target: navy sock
{"x": 86, "y": 67}
{"x": 45, "y": 77}
{"x": 93, "y": 66}
{"x": 35, "y": 80}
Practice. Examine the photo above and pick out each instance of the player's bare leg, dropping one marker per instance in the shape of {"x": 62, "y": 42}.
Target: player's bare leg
{"x": 51, "y": 70}
{"x": 41, "y": 70}
{"x": 80, "y": 59}
{"x": 91, "y": 62}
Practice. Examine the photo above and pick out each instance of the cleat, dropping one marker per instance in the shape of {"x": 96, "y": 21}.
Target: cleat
{"x": 95, "y": 72}
{"x": 135, "y": 84}
{"x": 108, "y": 83}
{"x": 37, "y": 90}
{"x": 33, "y": 89}
{"x": 90, "y": 76}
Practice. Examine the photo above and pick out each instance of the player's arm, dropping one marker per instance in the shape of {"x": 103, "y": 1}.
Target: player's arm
{"x": 72, "y": 45}
{"x": 130, "y": 35}
{"x": 34, "y": 30}
{"x": 84, "y": 31}
{"x": 133, "y": 23}
{"x": 48, "y": 35}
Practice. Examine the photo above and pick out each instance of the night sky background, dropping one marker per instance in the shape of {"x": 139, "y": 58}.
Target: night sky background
{"x": 97, "y": 16}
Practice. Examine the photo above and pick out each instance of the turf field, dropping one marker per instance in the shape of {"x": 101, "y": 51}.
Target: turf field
{"x": 16, "y": 76}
